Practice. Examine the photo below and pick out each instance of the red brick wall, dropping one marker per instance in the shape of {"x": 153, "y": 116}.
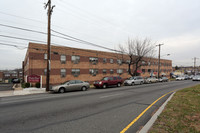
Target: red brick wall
{"x": 37, "y": 64}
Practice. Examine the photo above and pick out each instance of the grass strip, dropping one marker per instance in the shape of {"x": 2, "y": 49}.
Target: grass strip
{"x": 181, "y": 114}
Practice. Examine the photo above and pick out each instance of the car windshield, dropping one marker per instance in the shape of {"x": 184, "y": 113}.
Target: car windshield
{"x": 65, "y": 82}
{"x": 131, "y": 78}
{"x": 105, "y": 78}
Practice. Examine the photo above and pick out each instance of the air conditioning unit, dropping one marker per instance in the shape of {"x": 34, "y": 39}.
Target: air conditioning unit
{"x": 63, "y": 62}
{"x": 76, "y": 75}
{"x": 94, "y": 62}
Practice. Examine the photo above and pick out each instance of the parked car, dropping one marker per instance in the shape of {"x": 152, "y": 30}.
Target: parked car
{"x": 191, "y": 76}
{"x": 174, "y": 76}
{"x": 163, "y": 79}
{"x": 109, "y": 81}
{"x": 180, "y": 78}
{"x": 186, "y": 77}
{"x": 196, "y": 78}
{"x": 71, "y": 85}
{"x": 15, "y": 80}
{"x": 134, "y": 80}
{"x": 150, "y": 80}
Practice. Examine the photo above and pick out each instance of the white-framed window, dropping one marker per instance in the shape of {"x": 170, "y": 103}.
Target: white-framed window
{"x": 111, "y": 61}
{"x": 45, "y": 71}
{"x": 104, "y": 71}
{"x": 104, "y": 60}
{"x": 7, "y": 75}
{"x": 75, "y": 72}
{"x": 63, "y": 59}
{"x": 119, "y": 61}
{"x": 14, "y": 75}
{"x": 75, "y": 59}
{"x": 143, "y": 63}
{"x": 149, "y": 70}
{"x": 119, "y": 71}
{"x": 63, "y": 72}
{"x": 93, "y": 60}
{"x": 143, "y": 71}
{"x": 45, "y": 56}
{"x": 111, "y": 71}
{"x": 93, "y": 72}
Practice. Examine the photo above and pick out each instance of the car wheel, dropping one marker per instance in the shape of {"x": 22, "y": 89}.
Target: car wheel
{"x": 62, "y": 90}
{"x": 104, "y": 86}
{"x": 141, "y": 83}
{"x": 118, "y": 84}
{"x": 133, "y": 84}
{"x": 84, "y": 88}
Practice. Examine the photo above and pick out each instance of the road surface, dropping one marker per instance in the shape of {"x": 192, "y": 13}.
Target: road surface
{"x": 94, "y": 111}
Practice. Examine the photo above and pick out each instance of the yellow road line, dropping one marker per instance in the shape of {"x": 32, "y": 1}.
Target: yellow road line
{"x": 138, "y": 117}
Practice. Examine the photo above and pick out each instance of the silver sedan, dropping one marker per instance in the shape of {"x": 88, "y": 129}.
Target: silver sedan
{"x": 71, "y": 85}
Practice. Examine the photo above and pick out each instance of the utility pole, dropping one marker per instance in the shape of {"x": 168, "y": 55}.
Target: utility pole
{"x": 195, "y": 58}
{"x": 49, "y": 12}
{"x": 159, "y": 60}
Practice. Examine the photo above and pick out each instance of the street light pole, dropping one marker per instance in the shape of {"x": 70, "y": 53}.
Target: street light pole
{"x": 159, "y": 60}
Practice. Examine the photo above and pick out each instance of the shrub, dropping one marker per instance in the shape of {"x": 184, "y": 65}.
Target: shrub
{"x": 37, "y": 85}
{"x": 27, "y": 85}
{"x": 23, "y": 85}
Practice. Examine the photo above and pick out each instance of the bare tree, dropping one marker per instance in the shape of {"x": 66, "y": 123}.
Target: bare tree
{"x": 135, "y": 53}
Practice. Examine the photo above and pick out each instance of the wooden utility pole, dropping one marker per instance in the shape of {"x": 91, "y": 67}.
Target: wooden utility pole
{"x": 49, "y": 12}
{"x": 23, "y": 72}
{"x": 195, "y": 58}
{"x": 159, "y": 60}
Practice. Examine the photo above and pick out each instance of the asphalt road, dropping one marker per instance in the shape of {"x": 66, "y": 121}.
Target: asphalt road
{"x": 94, "y": 111}
{"x": 5, "y": 87}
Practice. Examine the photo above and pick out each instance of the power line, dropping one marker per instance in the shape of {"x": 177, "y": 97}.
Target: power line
{"x": 19, "y": 38}
{"x": 85, "y": 42}
{"x": 87, "y": 13}
{"x": 28, "y": 19}
{"x": 23, "y": 29}
{"x": 11, "y": 42}
{"x": 73, "y": 38}
{"x": 91, "y": 14}
{"x": 22, "y": 17}
{"x": 6, "y": 44}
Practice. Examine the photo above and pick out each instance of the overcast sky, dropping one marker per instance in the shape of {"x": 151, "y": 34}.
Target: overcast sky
{"x": 175, "y": 23}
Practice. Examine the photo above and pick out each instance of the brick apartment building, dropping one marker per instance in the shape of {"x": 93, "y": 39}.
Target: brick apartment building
{"x": 87, "y": 65}
{"x": 10, "y": 74}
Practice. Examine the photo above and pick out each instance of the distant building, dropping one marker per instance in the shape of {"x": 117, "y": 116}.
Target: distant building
{"x": 187, "y": 69}
{"x": 10, "y": 74}
{"x": 1, "y": 76}
{"x": 87, "y": 65}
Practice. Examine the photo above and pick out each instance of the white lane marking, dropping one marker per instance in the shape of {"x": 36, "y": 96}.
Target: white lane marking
{"x": 112, "y": 95}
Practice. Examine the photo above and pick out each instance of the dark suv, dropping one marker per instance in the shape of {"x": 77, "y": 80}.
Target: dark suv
{"x": 109, "y": 81}
{"x": 15, "y": 80}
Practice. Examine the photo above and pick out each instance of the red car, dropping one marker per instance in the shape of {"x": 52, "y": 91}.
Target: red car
{"x": 109, "y": 81}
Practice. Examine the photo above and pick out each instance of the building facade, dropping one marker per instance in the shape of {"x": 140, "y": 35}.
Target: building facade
{"x": 87, "y": 65}
{"x": 8, "y": 75}
{"x": 1, "y": 76}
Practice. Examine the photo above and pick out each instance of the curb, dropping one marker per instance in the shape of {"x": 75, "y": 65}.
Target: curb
{"x": 150, "y": 123}
{"x": 22, "y": 92}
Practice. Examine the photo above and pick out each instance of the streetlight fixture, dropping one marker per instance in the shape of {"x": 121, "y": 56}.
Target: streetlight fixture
{"x": 165, "y": 55}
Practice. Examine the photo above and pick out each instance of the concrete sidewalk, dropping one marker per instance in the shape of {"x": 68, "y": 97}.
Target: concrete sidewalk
{"x": 25, "y": 91}
{"x": 6, "y": 93}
